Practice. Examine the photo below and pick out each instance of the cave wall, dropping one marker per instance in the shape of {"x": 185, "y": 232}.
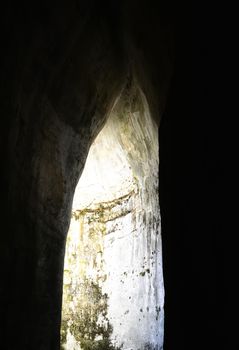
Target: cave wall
{"x": 63, "y": 68}
{"x": 113, "y": 251}
{"x": 45, "y": 157}
{"x": 52, "y": 52}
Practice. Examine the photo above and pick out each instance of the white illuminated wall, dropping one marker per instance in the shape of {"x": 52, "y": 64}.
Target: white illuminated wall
{"x": 114, "y": 238}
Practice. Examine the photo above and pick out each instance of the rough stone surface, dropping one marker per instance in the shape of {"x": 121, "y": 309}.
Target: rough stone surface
{"x": 75, "y": 51}
{"x": 114, "y": 241}
{"x": 63, "y": 68}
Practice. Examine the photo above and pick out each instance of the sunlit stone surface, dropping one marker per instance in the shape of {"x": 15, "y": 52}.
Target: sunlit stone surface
{"x": 113, "y": 282}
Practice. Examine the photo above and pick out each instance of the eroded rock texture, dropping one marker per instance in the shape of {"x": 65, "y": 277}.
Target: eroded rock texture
{"x": 63, "y": 69}
{"x": 113, "y": 284}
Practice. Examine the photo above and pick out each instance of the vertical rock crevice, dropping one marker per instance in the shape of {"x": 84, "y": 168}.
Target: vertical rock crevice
{"x": 113, "y": 281}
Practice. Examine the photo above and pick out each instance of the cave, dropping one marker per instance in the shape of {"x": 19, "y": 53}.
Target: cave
{"x": 113, "y": 280}
{"x": 66, "y": 68}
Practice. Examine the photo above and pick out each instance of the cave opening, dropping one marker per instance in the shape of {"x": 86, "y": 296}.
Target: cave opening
{"x": 113, "y": 292}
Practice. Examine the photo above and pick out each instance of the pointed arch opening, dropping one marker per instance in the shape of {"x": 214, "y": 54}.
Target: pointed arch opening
{"x": 113, "y": 292}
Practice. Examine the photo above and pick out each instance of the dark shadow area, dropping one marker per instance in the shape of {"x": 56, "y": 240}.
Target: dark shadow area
{"x": 191, "y": 177}
{"x": 62, "y": 66}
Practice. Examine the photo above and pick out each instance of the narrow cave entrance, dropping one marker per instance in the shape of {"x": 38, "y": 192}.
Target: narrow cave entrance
{"x": 113, "y": 291}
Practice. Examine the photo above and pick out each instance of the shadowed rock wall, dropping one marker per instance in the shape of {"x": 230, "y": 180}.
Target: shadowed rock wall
{"x": 64, "y": 65}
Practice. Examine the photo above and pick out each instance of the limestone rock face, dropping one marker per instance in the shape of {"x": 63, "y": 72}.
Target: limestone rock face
{"x": 113, "y": 280}
{"x": 64, "y": 65}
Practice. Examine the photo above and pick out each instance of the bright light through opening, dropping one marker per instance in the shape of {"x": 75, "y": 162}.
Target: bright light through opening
{"x": 113, "y": 282}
